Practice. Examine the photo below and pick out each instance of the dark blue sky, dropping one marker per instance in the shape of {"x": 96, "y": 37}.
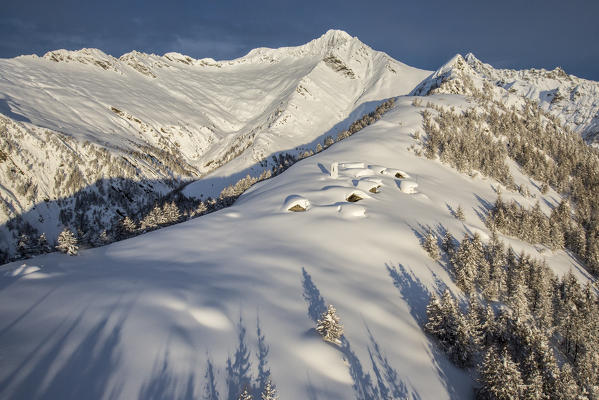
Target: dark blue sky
{"x": 424, "y": 33}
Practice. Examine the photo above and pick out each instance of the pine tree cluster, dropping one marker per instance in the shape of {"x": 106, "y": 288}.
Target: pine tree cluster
{"x": 482, "y": 140}
{"x": 459, "y": 142}
{"x": 557, "y": 231}
{"x": 520, "y": 320}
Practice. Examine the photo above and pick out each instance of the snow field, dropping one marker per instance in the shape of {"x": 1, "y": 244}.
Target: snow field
{"x": 141, "y": 317}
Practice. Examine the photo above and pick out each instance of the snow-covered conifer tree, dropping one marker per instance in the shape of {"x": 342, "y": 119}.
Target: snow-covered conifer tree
{"x": 500, "y": 377}
{"x": 67, "y": 242}
{"x": 448, "y": 244}
{"x": 269, "y": 392}
{"x": 459, "y": 213}
{"x": 245, "y": 395}
{"x": 200, "y": 210}
{"x": 329, "y": 326}
{"x": 152, "y": 219}
{"x": 24, "y": 246}
{"x": 533, "y": 380}
{"x": 434, "y": 314}
{"x": 126, "y": 227}
{"x": 43, "y": 244}
{"x": 102, "y": 239}
{"x": 566, "y": 387}
{"x": 495, "y": 256}
{"x": 465, "y": 264}
{"x": 463, "y": 345}
{"x": 171, "y": 213}
{"x": 475, "y": 319}
{"x": 431, "y": 246}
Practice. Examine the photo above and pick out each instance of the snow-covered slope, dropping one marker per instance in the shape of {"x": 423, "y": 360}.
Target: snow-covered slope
{"x": 574, "y": 100}
{"x": 142, "y": 318}
{"x": 83, "y": 126}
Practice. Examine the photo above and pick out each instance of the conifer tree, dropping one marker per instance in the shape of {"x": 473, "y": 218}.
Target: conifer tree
{"x": 435, "y": 319}
{"x": 488, "y": 327}
{"x": 465, "y": 265}
{"x": 566, "y": 387}
{"x": 171, "y": 213}
{"x": 459, "y": 213}
{"x": 24, "y": 246}
{"x": 533, "y": 387}
{"x": 43, "y": 244}
{"x": 500, "y": 377}
{"x": 269, "y": 392}
{"x": 329, "y": 326}
{"x": 587, "y": 373}
{"x": 495, "y": 255}
{"x": 463, "y": 345}
{"x": 448, "y": 244}
{"x": 245, "y": 395}
{"x": 200, "y": 210}
{"x": 67, "y": 242}
{"x": 104, "y": 238}
{"x": 475, "y": 320}
{"x": 431, "y": 246}
{"x": 152, "y": 219}
{"x": 126, "y": 228}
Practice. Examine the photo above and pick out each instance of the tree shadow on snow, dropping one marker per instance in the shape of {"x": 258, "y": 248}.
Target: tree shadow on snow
{"x": 165, "y": 384}
{"x": 262, "y": 355}
{"x": 450, "y": 209}
{"x": 362, "y": 385}
{"x": 210, "y": 385}
{"x": 316, "y": 304}
{"x": 483, "y": 209}
{"x": 390, "y": 386}
{"x": 446, "y": 371}
{"x": 238, "y": 368}
{"x": 25, "y": 313}
{"x": 417, "y": 296}
{"x": 323, "y": 169}
{"x": 85, "y": 373}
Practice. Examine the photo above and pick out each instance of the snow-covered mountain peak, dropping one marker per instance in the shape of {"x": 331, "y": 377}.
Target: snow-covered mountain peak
{"x": 470, "y": 57}
{"x": 572, "y": 99}
{"x": 334, "y": 38}
{"x": 178, "y": 57}
{"x": 456, "y": 62}
{"x": 90, "y": 56}
{"x": 320, "y": 47}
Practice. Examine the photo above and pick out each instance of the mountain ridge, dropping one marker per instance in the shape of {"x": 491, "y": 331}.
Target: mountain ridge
{"x": 172, "y": 119}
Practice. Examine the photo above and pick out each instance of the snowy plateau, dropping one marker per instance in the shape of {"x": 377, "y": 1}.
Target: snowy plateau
{"x": 230, "y": 296}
